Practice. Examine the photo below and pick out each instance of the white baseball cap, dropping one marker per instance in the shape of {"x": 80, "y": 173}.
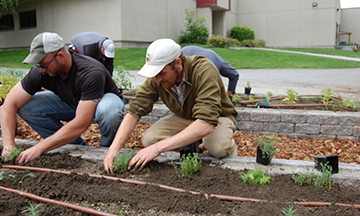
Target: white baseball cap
{"x": 43, "y": 44}
{"x": 109, "y": 48}
{"x": 159, "y": 53}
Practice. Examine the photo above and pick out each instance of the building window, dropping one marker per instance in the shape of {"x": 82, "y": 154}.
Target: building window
{"x": 28, "y": 19}
{"x": 7, "y": 22}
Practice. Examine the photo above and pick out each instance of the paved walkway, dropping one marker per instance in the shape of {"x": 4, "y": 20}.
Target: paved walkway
{"x": 344, "y": 82}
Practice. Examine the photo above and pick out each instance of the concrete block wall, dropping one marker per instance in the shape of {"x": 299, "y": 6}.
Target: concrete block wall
{"x": 291, "y": 123}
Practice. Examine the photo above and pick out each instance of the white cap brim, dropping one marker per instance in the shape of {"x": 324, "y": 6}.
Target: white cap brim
{"x": 149, "y": 71}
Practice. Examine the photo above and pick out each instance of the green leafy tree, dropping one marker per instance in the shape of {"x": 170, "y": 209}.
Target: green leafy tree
{"x": 195, "y": 28}
{"x": 9, "y": 5}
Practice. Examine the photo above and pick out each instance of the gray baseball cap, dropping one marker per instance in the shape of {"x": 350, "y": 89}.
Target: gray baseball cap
{"x": 43, "y": 44}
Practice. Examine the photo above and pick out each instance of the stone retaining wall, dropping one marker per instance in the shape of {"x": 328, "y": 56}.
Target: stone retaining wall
{"x": 291, "y": 123}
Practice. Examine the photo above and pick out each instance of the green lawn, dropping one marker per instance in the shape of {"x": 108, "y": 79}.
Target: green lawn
{"x": 134, "y": 58}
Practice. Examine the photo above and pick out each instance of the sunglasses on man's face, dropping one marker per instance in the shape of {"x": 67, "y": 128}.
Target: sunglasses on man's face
{"x": 45, "y": 66}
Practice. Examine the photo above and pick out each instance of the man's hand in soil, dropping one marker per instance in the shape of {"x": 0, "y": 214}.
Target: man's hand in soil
{"x": 108, "y": 161}
{"x": 143, "y": 157}
{"x": 28, "y": 155}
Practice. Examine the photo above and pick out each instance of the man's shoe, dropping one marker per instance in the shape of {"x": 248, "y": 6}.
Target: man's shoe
{"x": 191, "y": 148}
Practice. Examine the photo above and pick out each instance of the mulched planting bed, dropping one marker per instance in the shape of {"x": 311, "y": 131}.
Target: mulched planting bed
{"x": 116, "y": 197}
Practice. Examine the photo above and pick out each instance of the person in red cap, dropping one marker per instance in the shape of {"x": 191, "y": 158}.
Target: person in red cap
{"x": 191, "y": 87}
{"x": 95, "y": 45}
{"x": 78, "y": 90}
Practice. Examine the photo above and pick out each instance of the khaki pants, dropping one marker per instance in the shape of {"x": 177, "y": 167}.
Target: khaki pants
{"x": 220, "y": 143}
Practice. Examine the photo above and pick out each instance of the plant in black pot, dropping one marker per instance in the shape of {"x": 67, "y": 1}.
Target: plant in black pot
{"x": 265, "y": 147}
{"x": 247, "y": 87}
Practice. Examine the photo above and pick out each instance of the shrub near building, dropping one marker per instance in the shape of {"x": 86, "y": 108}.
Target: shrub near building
{"x": 242, "y": 33}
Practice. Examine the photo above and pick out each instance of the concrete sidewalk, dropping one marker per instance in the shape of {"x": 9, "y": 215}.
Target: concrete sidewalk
{"x": 344, "y": 82}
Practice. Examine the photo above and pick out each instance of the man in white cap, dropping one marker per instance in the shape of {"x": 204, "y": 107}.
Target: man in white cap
{"x": 191, "y": 87}
{"x": 96, "y": 46}
{"x": 79, "y": 90}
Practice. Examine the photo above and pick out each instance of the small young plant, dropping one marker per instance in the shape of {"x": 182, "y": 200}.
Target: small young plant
{"x": 292, "y": 96}
{"x": 290, "y": 211}
{"x": 32, "y": 209}
{"x": 349, "y": 102}
{"x": 188, "y": 165}
{"x": 326, "y": 95}
{"x": 248, "y": 84}
{"x": 121, "y": 161}
{"x": 122, "y": 78}
{"x": 235, "y": 98}
{"x": 324, "y": 179}
{"x": 267, "y": 145}
{"x": 13, "y": 178}
{"x": 14, "y": 153}
{"x": 256, "y": 177}
{"x": 310, "y": 178}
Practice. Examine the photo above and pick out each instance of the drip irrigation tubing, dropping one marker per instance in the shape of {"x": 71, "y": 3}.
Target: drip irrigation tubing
{"x": 221, "y": 197}
{"x": 46, "y": 200}
{"x": 303, "y": 105}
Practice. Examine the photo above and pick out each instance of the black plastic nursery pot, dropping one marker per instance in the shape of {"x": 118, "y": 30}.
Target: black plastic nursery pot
{"x": 247, "y": 90}
{"x": 332, "y": 161}
{"x": 260, "y": 159}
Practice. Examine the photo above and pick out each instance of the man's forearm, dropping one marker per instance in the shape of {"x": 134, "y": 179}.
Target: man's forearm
{"x": 63, "y": 136}
{"x": 8, "y": 123}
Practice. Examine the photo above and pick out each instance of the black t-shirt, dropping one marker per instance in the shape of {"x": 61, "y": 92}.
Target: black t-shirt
{"x": 88, "y": 80}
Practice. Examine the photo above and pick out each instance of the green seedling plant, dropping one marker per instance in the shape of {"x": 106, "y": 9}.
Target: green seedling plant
{"x": 13, "y": 177}
{"x": 292, "y": 96}
{"x": 323, "y": 180}
{"x": 256, "y": 177}
{"x": 267, "y": 145}
{"x": 326, "y": 95}
{"x": 121, "y": 161}
{"x": 349, "y": 102}
{"x": 248, "y": 84}
{"x": 188, "y": 165}
{"x": 290, "y": 211}
{"x": 14, "y": 153}
{"x": 32, "y": 209}
{"x": 122, "y": 78}
{"x": 235, "y": 98}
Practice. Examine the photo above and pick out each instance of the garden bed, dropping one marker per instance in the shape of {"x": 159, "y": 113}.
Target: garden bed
{"x": 303, "y": 102}
{"x": 116, "y": 197}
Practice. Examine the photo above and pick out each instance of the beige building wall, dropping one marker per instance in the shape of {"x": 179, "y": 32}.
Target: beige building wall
{"x": 350, "y": 22}
{"x": 291, "y": 23}
{"x": 127, "y": 23}
{"x": 281, "y": 23}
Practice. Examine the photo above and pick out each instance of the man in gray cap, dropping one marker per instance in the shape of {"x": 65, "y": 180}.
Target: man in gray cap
{"x": 191, "y": 87}
{"x": 96, "y": 46}
{"x": 78, "y": 90}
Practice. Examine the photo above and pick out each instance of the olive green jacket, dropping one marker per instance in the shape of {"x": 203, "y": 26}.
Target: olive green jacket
{"x": 205, "y": 96}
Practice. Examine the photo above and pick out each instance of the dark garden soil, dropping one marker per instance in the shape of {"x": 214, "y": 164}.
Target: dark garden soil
{"x": 116, "y": 197}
